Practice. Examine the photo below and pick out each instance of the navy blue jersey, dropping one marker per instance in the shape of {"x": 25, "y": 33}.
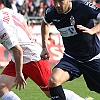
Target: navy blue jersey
{"x": 81, "y": 46}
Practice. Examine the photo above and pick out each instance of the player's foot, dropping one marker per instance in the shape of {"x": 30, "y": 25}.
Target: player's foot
{"x": 89, "y": 98}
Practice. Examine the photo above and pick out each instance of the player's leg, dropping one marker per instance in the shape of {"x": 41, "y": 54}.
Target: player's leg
{"x": 7, "y": 82}
{"x": 91, "y": 74}
{"x": 57, "y": 78}
{"x": 39, "y": 72}
{"x": 63, "y": 72}
{"x": 56, "y": 89}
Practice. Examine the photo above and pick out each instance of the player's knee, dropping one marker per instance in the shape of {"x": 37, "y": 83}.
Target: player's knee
{"x": 54, "y": 81}
{"x": 2, "y": 86}
{"x": 3, "y": 89}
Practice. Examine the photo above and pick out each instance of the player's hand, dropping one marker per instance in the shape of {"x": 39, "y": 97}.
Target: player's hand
{"x": 85, "y": 29}
{"x": 45, "y": 54}
{"x": 20, "y": 81}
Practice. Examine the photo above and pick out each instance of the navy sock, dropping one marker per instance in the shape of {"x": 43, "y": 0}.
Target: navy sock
{"x": 57, "y": 93}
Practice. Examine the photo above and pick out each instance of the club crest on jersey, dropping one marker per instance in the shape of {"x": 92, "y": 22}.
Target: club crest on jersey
{"x": 72, "y": 20}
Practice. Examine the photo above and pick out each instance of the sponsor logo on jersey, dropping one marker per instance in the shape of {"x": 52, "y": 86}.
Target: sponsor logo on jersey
{"x": 43, "y": 86}
{"x": 91, "y": 5}
{"x": 56, "y": 20}
{"x": 68, "y": 31}
{"x": 6, "y": 17}
{"x": 55, "y": 97}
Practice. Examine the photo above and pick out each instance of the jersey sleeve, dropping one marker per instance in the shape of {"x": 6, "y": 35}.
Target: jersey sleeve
{"x": 93, "y": 11}
{"x": 8, "y": 38}
{"x": 48, "y": 16}
{"x": 88, "y": 9}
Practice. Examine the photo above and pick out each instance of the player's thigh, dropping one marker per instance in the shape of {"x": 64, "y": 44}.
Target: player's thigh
{"x": 7, "y": 76}
{"x": 66, "y": 70}
{"x": 91, "y": 73}
{"x": 39, "y": 72}
{"x": 58, "y": 76}
{"x": 7, "y": 82}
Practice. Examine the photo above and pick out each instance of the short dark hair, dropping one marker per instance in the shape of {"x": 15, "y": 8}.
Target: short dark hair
{"x": 6, "y": 3}
{"x": 50, "y": 33}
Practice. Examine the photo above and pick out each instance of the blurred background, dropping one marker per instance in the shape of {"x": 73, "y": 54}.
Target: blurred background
{"x": 33, "y": 11}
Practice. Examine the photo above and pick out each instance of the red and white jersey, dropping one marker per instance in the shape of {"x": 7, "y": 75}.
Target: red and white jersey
{"x": 12, "y": 32}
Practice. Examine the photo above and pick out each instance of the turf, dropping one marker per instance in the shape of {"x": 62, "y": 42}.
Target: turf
{"x": 33, "y": 92}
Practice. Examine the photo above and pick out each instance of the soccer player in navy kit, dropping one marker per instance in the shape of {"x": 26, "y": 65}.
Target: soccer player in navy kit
{"x": 73, "y": 19}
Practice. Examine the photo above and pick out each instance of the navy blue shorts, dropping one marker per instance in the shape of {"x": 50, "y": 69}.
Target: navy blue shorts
{"x": 90, "y": 71}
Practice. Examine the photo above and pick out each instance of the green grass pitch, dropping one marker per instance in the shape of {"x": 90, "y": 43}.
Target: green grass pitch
{"x": 33, "y": 92}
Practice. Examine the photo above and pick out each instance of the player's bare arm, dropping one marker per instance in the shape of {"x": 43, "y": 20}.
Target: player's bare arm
{"x": 45, "y": 34}
{"x": 18, "y": 56}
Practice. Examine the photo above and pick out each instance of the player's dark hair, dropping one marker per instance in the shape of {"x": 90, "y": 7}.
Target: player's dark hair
{"x": 6, "y": 3}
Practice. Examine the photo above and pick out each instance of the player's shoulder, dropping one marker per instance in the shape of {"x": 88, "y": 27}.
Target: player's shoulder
{"x": 80, "y": 1}
{"x": 50, "y": 10}
{"x": 6, "y": 10}
{"x": 84, "y": 4}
